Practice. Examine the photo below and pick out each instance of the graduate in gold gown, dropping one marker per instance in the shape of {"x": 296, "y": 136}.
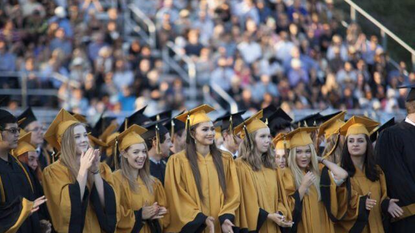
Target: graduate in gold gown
{"x": 263, "y": 205}
{"x": 18, "y": 206}
{"x": 141, "y": 197}
{"x": 79, "y": 197}
{"x": 201, "y": 182}
{"x": 329, "y": 133}
{"x": 369, "y": 206}
{"x": 314, "y": 209}
{"x": 281, "y": 149}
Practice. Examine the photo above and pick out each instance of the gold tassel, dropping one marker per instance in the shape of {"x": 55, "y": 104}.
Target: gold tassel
{"x": 172, "y": 128}
{"x": 158, "y": 147}
{"x": 231, "y": 129}
{"x": 126, "y": 124}
{"x": 285, "y": 146}
{"x": 305, "y": 124}
{"x": 116, "y": 165}
{"x": 53, "y": 156}
{"x": 266, "y": 121}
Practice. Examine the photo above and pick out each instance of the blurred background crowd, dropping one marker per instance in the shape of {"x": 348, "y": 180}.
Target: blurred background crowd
{"x": 294, "y": 53}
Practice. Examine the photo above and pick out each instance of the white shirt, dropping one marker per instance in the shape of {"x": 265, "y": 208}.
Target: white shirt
{"x": 222, "y": 147}
{"x": 409, "y": 121}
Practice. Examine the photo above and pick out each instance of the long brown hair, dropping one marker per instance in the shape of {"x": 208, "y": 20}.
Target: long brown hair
{"x": 68, "y": 151}
{"x": 253, "y": 157}
{"x": 217, "y": 160}
{"x": 143, "y": 174}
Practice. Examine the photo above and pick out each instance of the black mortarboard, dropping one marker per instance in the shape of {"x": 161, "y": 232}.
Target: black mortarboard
{"x": 102, "y": 124}
{"x": 26, "y": 117}
{"x": 228, "y": 118}
{"x": 411, "y": 94}
{"x": 155, "y": 129}
{"x": 376, "y": 132}
{"x": 81, "y": 118}
{"x": 6, "y": 117}
{"x": 137, "y": 118}
{"x": 162, "y": 115}
{"x": 267, "y": 112}
{"x": 327, "y": 117}
{"x": 175, "y": 125}
{"x": 279, "y": 120}
{"x": 308, "y": 121}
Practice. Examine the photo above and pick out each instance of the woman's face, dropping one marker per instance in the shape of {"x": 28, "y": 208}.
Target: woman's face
{"x": 32, "y": 161}
{"x": 357, "y": 144}
{"x": 81, "y": 139}
{"x": 205, "y": 133}
{"x": 263, "y": 139}
{"x": 280, "y": 158}
{"x": 303, "y": 156}
{"x": 136, "y": 155}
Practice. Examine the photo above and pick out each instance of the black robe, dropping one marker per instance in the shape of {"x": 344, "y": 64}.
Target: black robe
{"x": 158, "y": 170}
{"x": 16, "y": 186}
{"x": 395, "y": 151}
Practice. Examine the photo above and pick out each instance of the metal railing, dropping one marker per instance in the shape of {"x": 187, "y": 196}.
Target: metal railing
{"x": 149, "y": 34}
{"x": 384, "y": 32}
{"x": 223, "y": 94}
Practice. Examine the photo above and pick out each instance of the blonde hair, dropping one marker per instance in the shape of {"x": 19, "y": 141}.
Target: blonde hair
{"x": 68, "y": 150}
{"x": 298, "y": 173}
{"x": 143, "y": 173}
{"x": 253, "y": 157}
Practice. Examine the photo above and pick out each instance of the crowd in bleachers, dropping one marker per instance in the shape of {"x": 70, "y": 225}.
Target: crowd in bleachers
{"x": 293, "y": 53}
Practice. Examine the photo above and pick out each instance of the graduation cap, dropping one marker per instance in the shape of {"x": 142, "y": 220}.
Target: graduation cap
{"x": 129, "y": 137}
{"x": 195, "y": 116}
{"x": 102, "y": 124}
{"x": 310, "y": 120}
{"x": 137, "y": 118}
{"x": 156, "y": 129}
{"x": 358, "y": 125}
{"x": 267, "y": 112}
{"x": 109, "y": 151}
{"x": 6, "y": 117}
{"x": 376, "y": 132}
{"x": 279, "y": 120}
{"x": 93, "y": 141}
{"x": 332, "y": 124}
{"x": 175, "y": 125}
{"x": 81, "y": 118}
{"x": 58, "y": 127}
{"x": 411, "y": 94}
{"x": 281, "y": 142}
{"x": 230, "y": 121}
{"x": 250, "y": 125}
{"x": 26, "y": 117}
{"x": 23, "y": 145}
{"x": 300, "y": 136}
{"x": 162, "y": 115}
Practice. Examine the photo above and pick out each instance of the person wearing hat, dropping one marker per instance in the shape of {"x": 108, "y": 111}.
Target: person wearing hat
{"x": 18, "y": 204}
{"x": 231, "y": 141}
{"x": 278, "y": 122}
{"x": 281, "y": 149}
{"x": 262, "y": 208}
{"x": 76, "y": 185}
{"x": 29, "y": 123}
{"x": 329, "y": 133}
{"x": 141, "y": 197}
{"x": 178, "y": 135}
{"x": 395, "y": 155}
{"x": 369, "y": 204}
{"x": 218, "y": 134}
{"x": 158, "y": 141}
{"x": 201, "y": 182}
{"x": 317, "y": 194}
{"x": 26, "y": 153}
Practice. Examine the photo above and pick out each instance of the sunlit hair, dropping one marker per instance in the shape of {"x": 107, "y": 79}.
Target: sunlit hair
{"x": 335, "y": 156}
{"x": 217, "y": 160}
{"x": 298, "y": 173}
{"x": 68, "y": 150}
{"x": 143, "y": 173}
{"x": 254, "y": 158}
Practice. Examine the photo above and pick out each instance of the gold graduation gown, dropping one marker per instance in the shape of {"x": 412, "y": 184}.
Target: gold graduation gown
{"x": 310, "y": 215}
{"x": 131, "y": 204}
{"x": 261, "y": 194}
{"x": 71, "y": 214}
{"x": 358, "y": 219}
{"x": 188, "y": 212}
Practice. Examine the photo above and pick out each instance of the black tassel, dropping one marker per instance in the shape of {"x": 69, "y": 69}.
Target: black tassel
{"x": 248, "y": 138}
{"x": 188, "y": 137}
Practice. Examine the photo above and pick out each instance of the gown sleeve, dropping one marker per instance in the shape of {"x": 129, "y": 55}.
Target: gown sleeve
{"x": 63, "y": 194}
{"x": 161, "y": 199}
{"x": 294, "y": 202}
{"x": 250, "y": 216}
{"x": 107, "y": 214}
{"x": 335, "y": 198}
{"x": 232, "y": 199}
{"x": 13, "y": 215}
{"x": 386, "y": 217}
{"x": 184, "y": 211}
